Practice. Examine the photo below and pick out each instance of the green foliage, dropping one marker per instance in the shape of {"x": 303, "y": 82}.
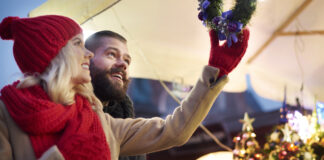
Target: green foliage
{"x": 215, "y": 9}
{"x": 243, "y": 10}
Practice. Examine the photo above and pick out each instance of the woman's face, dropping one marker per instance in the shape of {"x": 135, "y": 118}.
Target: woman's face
{"x": 83, "y": 57}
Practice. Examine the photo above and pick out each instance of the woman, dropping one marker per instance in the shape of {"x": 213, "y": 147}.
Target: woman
{"x": 52, "y": 112}
{"x": 55, "y": 93}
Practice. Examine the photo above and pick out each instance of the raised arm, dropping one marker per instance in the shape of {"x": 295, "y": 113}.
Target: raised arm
{"x": 137, "y": 136}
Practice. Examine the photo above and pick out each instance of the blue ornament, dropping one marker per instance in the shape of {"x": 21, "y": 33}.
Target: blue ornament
{"x": 227, "y": 29}
{"x": 205, "y": 4}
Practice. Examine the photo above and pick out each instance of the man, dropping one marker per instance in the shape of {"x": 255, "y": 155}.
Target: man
{"x": 109, "y": 68}
{"x": 109, "y": 73}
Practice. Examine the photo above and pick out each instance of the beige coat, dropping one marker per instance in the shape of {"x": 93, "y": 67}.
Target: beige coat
{"x": 128, "y": 136}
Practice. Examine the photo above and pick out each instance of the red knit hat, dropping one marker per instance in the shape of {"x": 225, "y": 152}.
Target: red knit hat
{"x": 37, "y": 40}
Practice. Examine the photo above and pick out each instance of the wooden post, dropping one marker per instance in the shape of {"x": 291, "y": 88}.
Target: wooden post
{"x": 279, "y": 30}
{"x": 301, "y": 33}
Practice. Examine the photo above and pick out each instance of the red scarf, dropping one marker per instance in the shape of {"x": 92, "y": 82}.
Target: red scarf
{"x": 75, "y": 129}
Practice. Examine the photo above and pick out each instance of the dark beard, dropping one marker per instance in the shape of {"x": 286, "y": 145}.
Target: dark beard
{"x": 104, "y": 88}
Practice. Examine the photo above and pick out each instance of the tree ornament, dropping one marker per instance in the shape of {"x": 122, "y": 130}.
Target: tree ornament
{"x": 284, "y": 109}
{"x": 286, "y": 131}
{"x": 247, "y": 123}
{"x": 227, "y": 24}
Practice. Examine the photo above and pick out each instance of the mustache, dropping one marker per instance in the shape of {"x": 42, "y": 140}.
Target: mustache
{"x": 117, "y": 70}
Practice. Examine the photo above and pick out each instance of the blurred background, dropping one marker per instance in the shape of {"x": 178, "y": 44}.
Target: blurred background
{"x": 282, "y": 68}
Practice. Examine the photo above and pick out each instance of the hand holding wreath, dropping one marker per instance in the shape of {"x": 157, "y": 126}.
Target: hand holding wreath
{"x": 227, "y": 58}
{"x": 226, "y": 26}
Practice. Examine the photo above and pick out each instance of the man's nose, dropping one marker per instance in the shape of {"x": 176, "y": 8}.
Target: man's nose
{"x": 121, "y": 64}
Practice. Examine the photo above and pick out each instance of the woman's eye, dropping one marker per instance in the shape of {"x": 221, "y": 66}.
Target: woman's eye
{"x": 127, "y": 61}
{"x": 78, "y": 43}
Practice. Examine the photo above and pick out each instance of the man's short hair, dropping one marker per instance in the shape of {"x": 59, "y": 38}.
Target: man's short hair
{"x": 93, "y": 42}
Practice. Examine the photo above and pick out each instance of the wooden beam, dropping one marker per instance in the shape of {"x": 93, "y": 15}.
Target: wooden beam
{"x": 279, "y": 30}
{"x": 79, "y": 10}
{"x": 301, "y": 33}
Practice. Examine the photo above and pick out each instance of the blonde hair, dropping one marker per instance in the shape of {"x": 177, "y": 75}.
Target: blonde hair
{"x": 56, "y": 80}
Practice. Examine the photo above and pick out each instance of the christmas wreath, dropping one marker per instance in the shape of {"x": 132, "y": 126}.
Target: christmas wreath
{"x": 227, "y": 24}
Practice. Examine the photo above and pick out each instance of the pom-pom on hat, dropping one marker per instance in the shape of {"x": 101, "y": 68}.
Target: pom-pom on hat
{"x": 37, "y": 40}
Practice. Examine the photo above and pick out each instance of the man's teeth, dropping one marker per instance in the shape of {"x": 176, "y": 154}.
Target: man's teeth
{"x": 85, "y": 66}
{"x": 118, "y": 76}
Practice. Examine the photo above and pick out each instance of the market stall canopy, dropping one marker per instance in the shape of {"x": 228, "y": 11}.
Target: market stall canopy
{"x": 168, "y": 42}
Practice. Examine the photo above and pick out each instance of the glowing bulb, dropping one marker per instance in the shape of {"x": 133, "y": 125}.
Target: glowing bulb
{"x": 242, "y": 152}
{"x": 253, "y": 135}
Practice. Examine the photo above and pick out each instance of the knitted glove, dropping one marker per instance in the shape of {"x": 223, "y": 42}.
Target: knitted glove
{"x": 226, "y": 58}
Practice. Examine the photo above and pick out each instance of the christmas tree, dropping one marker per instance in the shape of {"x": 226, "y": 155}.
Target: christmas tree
{"x": 246, "y": 146}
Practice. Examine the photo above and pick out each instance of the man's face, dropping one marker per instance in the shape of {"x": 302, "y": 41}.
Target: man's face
{"x": 109, "y": 69}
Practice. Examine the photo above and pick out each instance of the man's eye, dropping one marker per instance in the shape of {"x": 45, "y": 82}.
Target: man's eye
{"x": 111, "y": 54}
